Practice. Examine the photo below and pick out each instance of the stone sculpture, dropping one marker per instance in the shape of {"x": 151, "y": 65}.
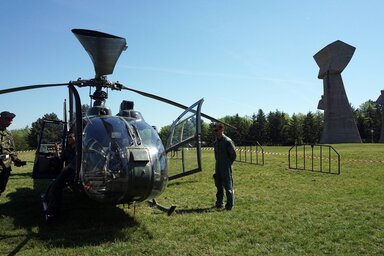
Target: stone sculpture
{"x": 380, "y": 102}
{"x": 339, "y": 123}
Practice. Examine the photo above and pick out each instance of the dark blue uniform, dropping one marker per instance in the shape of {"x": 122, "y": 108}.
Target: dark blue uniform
{"x": 55, "y": 190}
{"x": 225, "y": 154}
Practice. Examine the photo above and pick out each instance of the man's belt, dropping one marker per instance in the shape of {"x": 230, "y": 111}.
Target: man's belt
{"x": 4, "y": 156}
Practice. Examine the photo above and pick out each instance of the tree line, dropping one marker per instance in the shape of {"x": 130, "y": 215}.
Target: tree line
{"x": 279, "y": 128}
{"x": 273, "y": 128}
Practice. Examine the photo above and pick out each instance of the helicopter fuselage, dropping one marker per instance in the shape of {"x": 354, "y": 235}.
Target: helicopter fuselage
{"x": 123, "y": 160}
{"x": 119, "y": 159}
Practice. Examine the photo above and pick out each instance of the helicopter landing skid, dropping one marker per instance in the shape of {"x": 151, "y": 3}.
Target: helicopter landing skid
{"x": 169, "y": 210}
{"x": 44, "y": 205}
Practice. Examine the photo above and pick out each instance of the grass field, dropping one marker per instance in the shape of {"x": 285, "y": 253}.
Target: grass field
{"x": 277, "y": 211}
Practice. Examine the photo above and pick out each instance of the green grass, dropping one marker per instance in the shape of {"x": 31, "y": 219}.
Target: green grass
{"x": 277, "y": 212}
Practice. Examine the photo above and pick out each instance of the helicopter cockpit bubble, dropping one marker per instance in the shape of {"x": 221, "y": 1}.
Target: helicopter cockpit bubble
{"x": 106, "y": 158}
{"x": 122, "y": 161}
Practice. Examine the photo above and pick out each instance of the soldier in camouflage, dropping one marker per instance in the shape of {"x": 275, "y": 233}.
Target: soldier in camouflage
{"x": 7, "y": 150}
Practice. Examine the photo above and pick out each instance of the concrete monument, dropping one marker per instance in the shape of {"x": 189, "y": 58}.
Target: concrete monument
{"x": 380, "y": 102}
{"x": 339, "y": 123}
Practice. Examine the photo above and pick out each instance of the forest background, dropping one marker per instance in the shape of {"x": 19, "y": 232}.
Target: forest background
{"x": 275, "y": 128}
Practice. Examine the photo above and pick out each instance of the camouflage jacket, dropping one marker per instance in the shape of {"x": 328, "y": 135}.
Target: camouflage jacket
{"x": 7, "y": 148}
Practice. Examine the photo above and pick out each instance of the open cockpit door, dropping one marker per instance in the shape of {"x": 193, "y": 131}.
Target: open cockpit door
{"x": 184, "y": 143}
{"x": 47, "y": 161}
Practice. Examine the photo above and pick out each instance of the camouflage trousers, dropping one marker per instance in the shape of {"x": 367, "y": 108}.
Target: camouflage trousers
{"x": 5, "y": 172}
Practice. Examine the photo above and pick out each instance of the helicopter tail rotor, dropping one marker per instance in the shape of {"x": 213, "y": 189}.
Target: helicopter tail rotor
{"x": 104, "y": 49}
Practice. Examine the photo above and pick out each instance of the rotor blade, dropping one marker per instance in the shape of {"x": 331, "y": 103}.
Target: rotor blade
{"x": 30, "y": 87}
{"x": 176, "y": 104}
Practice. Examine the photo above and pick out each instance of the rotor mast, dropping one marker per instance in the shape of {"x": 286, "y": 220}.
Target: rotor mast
{"x": 104, "y": 50}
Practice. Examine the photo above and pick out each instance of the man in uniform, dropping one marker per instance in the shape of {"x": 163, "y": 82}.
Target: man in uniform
{"x": 7, "y": 150}
{"x": 52, "y": 198}
{"x": 225, "y": 154}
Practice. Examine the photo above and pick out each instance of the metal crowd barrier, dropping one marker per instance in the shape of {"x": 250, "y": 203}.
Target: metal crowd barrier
{"x": 251, "y": 154}
{"x": 316, "y": 158}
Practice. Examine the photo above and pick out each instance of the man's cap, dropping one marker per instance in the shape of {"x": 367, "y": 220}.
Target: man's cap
{"x": 6, "y": 114}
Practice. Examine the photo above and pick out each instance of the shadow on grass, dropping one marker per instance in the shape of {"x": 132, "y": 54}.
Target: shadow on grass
{"x": 21, "y": 175}
{"x": 197, "y": 210}
{"x": 82, "y": 221}
{"x": 178, "y": 183}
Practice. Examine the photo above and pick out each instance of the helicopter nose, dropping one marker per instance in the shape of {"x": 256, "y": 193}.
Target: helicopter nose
{"x": 118, "y": 178}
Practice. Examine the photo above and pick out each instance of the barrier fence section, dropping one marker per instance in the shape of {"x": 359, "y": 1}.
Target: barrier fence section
{"x": 251, "y": 154}
{"x": 246, "y": 154}
{"x": 316, "y": 158}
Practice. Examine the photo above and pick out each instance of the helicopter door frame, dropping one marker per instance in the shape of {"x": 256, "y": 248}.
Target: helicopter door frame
{"x": 47, "y": 163}
{"x": 76, "y": 120}
{"x": 196, "y": 138}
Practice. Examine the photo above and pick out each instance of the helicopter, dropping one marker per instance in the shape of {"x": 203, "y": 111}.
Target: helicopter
{"x": 120, "y": 159}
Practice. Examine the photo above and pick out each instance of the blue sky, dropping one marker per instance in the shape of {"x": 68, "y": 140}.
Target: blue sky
{"x": 240, "y": 56}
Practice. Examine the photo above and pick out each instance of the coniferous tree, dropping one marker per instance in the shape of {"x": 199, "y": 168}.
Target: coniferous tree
{"x": 318, "y": 126}
{"x": 242, "y": 124}
{"x": 296, "y": 129}
{"x": 261, "y": 127}
{"x": 277, "y": 127}
{"x": 252, "y": 132}
{"x": 309, "y": 131}
{"x": 368, "y": 119}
